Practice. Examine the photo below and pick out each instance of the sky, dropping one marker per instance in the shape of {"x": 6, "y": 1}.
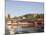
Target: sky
{"x": 18, "y": 8}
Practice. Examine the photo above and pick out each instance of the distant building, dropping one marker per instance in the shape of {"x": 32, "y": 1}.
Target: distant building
{"x": 11, "y": 23}
{"x": 26, "y": 23}
{"x": 39, "y": 22}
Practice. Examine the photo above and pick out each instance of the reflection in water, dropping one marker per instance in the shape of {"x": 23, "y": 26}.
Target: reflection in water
{"x": 20, "y": 30}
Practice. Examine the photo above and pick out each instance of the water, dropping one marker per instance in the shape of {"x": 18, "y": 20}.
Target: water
{"x": 28, "y": 30}
{"x": 20, "y": 30}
